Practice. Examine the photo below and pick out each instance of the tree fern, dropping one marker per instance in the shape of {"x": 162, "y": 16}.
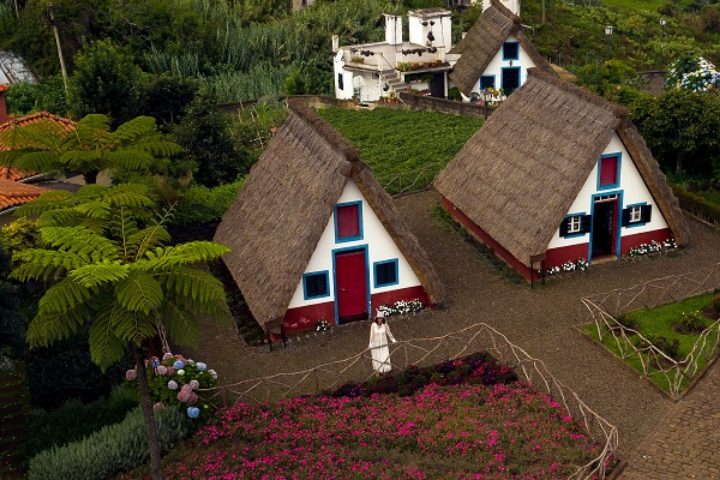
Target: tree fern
{"x": 105, "y": 346}
{"x": 99, "y": 274}
{"x": 139, "y": 292}
{"x": 64, "y": 296}
{"x": 165, "y": 258}
{"x": 41, "y": 264}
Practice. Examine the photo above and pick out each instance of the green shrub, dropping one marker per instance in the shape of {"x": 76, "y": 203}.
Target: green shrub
{"x": 662, "y": 343}
{"x": 104, "y": 454}
{"x": 75, "y": 420}
{"x": 690, "y": 322}
{"x": 629, "y": 324}
{"x": 201, "y": 204}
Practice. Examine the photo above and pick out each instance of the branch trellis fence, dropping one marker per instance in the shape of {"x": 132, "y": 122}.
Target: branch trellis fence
{"x": 421, "y": 352}
{"x": 605, "y": 311}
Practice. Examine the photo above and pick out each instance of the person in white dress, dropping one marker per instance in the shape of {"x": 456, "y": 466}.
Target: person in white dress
{"x": 379, "y": 335}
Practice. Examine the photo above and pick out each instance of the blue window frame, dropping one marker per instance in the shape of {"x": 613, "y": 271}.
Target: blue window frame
{"x": 348, "y": 222}
{"x": 386, "y": 273}
{"x": 575, "y": 225}
{"x": 636, "y": 215}
{"x": 618, "y": 227}
{"x": 316, "y": 285}
{"x": 607, "y": 176}
{"x": 487, "y": 81}
{"x": 511, "y": 51}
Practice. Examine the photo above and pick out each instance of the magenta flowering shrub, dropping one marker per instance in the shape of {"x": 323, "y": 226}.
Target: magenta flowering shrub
{"x": 466, "y": 431}
{"x": 175, "y": 380}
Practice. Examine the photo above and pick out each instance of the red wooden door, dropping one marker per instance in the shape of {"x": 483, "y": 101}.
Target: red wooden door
{"x": 351, "y": 284}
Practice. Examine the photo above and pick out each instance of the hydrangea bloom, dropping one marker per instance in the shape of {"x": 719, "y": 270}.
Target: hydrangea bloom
{"x": 162, "y": 370}
{"x": 213, "y": 374}
{"x": 194, "y": 384}
{"x": 167, "y": 356}
{"x": 131, "y": 375}
{"x": 693, "y": 73}
{"x": 172, "y": 385}
{"x": 179, "y": 364}
{"x": 201, "y": 366}
{"x": 193, "y": 412}
{"x": 181, "y": 372}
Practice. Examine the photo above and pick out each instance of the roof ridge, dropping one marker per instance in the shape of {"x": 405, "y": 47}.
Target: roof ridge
{"x": 330, "y": 136}
{"x": 619, "y": 111}
{"x": 505, "y": 11}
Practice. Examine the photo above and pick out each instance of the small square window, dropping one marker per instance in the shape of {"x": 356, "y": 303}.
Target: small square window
{"x": 609, "y": 174}
{"x": 316, "y": 285}
{"x": 635, "y": 214}
{"x": 348, "y": 224}
{"x": 487, "y": 81}
{"x": 511, "y": 50}
{"x": 575, "y": 224}
{"x": 386, "y": 273}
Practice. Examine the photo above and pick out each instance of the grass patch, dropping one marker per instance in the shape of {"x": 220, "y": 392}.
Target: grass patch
{"x": 405, "y": 149}
{"x": 497, "y": 263}
{"x": 663, "y": 326}
{"x": 646, "y": 5}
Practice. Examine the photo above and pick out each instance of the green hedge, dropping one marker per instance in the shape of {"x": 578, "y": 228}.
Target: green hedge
{"x": 114, "y": 449}
{"x": 75, "y": 420}
{"x": 201, "y": 204}
{"x": 697, "y": 205}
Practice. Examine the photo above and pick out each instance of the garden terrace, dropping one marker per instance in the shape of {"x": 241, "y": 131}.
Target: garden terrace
{"x": 455, "y": 419}
{"x": 405, "y": 149}
{"x": 667, "y": 329}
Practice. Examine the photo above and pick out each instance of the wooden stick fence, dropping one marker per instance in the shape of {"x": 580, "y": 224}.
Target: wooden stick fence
{"x": 605, "y": 309}
{"x": 420, "y": 352}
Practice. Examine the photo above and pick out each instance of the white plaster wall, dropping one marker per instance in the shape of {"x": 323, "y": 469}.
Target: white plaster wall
{"x": 380, "y": 247}
{"x": 512, "y": 5}
{"x": 442, "y": 31}
{"x": 497, "y": 64}
{"x": 634, "y": 191}
{"x": 339, "y": 67}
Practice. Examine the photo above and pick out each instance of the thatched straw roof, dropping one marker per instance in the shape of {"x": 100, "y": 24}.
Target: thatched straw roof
{"x": 482, "y": 43}
{"x": 518, "y": 175}
{"x": 276, "y": 221}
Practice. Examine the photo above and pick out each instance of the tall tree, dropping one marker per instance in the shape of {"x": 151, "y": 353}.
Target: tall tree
{"x": 108, "y": 266}
{"x": 135, "y": 147}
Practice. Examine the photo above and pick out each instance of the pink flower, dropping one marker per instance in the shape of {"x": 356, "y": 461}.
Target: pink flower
{"x": 194, "y": 384}
{"x": 167, "y": 356}
{"x": 162, "y": 370}
{"x": 131, "y": 375}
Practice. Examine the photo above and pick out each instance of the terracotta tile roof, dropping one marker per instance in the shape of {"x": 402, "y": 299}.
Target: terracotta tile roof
{"x": 4, "y": 87}
{"x": 9, "y": 173}
{"x": 67, "y": 124}
{"x": 14, "y": 193}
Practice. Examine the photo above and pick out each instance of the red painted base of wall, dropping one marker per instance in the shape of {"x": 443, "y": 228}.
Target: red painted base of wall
{"x": 555, "y": 257}
{"x": 305, "y": 318}
{"x": 392, "y": 296}
{"x": 630, "y": 241}
{"x": 486, "y": 239}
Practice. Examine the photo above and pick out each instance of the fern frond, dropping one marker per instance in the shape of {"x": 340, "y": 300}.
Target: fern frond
{"x": 139, "y": 242}
{"x": 132, "y": 326}
{"x": 128, "y": 160}
{"x": 180, "y": 323}
{"x": 94, "y": 209}
{"x": 83, "y": 242}
{"x": 46, "y": 328}
{"x": 105, "y": 347}
{"x": 139, "y": 292}
{"x": 198, "y": 285}
{"x": 134, "y": 129}
{"x": 94, "y": 121}
{"x": 129, "y": 195}
{"x": 42, "y": 264}
{"x": 160, "y": 148}
{"x": 60, "y": 217}
{"x": 82, "y": 159}
{"x": 47, "y": 201}
{"x": 95, "y": 275}
{"x": 64, "y": 296}
{"x": 38, "y": 161}
{"x": 163, "y": 258}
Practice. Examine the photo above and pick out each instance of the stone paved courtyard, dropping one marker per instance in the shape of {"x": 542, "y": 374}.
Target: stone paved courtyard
{"x": 660, "y": 438}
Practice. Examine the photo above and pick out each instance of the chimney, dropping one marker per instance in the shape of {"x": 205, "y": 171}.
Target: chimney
{"x": 3, "y": 103}
{"x": 335, "y": 43}
{"x": 393, "y": 29}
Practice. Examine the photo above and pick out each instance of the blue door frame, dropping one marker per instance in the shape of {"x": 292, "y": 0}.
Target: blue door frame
{"x": 618, "y": 231}
{"x": 364, "y": 248}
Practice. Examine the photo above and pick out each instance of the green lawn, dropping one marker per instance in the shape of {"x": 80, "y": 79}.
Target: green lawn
{"x": 659, "y": 321}
{"x": 405, "y": 149}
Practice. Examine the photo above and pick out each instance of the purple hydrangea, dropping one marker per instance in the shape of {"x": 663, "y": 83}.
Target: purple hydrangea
{"x": 162, "y": 370}
{"x": 201, "y": 366}
{"x": 194, "y": 384}
{"x": 155, "y": 362}
{"x": 167, "y": 356}
{"x": 193, "y": 412}
{"x": 172, "y": 385}
{"x": 179, "y": 364}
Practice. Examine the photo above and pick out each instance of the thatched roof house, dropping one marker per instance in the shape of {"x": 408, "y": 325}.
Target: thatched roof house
{"x": 315, "y": 237}
{"x": 495, "y": 46}
{"x": 558, "y": 174}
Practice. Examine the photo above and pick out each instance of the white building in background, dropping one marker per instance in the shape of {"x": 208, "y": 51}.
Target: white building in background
{"x": 370, "y": 71}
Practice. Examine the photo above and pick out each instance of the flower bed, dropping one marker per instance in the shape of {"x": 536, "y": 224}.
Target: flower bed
{"x": 467, "y": 419}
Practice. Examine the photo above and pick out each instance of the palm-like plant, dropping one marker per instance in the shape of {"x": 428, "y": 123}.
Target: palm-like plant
{"x": 135, "y": 147}
{"x": 108, "y": 267}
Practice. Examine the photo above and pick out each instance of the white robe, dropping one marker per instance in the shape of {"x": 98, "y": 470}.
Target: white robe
{"x": 379, "y": 335}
